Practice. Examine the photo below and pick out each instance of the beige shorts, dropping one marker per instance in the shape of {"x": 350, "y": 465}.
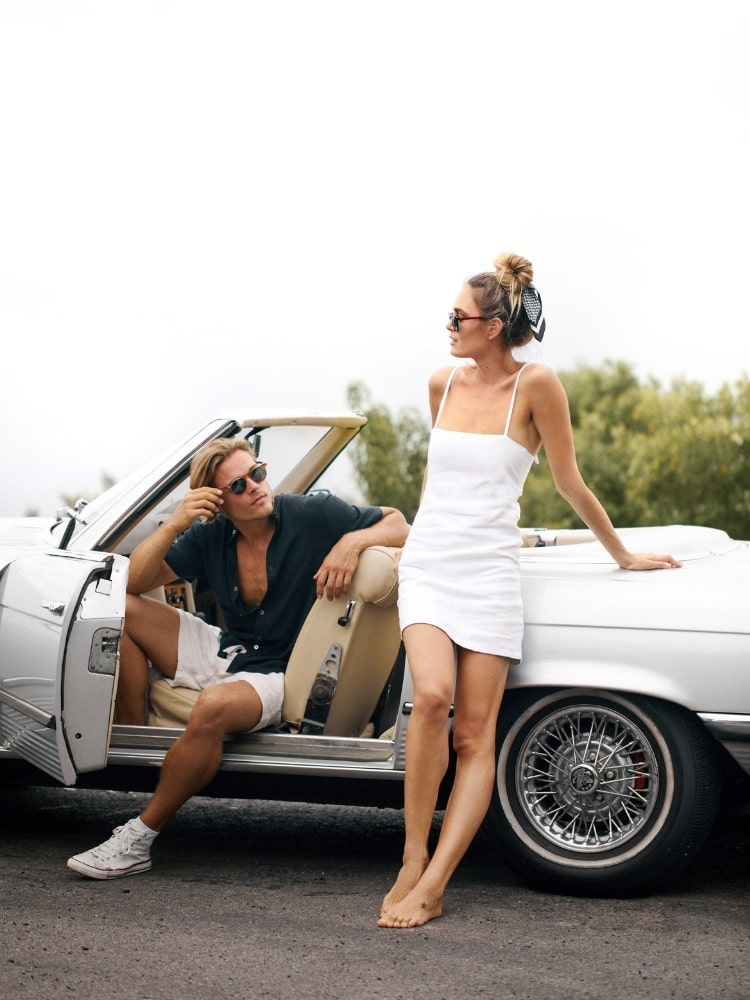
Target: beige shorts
{"x": 199, "y": 666}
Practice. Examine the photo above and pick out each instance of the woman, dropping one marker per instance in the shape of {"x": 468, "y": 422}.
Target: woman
{"x": 459, "y": 579}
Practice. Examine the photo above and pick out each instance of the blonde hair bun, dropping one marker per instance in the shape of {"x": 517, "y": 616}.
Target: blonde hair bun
{"x": 513, "y": 272}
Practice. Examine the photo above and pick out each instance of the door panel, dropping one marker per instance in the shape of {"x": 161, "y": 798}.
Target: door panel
{"x": 61, "y": 615}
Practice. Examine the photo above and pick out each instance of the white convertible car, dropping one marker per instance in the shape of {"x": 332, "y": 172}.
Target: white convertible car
{"x": 628, "y": 715}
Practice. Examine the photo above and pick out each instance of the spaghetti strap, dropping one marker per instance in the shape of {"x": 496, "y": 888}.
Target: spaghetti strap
{"x": 512, "y": 399}
{"x": 445, "y": 394}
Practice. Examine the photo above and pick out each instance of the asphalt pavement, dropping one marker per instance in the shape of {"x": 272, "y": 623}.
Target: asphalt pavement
{"x": 270, "y": 900}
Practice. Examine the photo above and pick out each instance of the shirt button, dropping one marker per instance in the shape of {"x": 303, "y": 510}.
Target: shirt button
{"x": 261, "y": 612}
{"x": 235, "y": 590}
{"x": 256, "y": 647}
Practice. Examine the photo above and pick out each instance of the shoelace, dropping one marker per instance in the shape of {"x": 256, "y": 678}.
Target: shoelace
{"x": 122, "y": 840}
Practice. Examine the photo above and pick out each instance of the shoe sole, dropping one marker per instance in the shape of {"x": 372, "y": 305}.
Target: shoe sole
{"x": 107, "y": 873}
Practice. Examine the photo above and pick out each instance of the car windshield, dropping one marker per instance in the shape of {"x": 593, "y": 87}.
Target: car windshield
{"x": 125, "y": 513}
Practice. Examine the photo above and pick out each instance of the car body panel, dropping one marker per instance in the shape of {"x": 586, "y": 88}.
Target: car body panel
{"x": 22, "y": 535}
{"x": 589, "y": 623}
{"x": 638, "y": 660}
{"x": 596, "y": 592}
{"x": 60, "y": 621}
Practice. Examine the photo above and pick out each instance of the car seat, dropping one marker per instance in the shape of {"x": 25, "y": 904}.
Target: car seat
{"x": 343, "y": 655}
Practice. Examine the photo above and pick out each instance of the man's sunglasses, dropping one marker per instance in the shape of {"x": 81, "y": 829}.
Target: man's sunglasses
{"x": 238, "y": 486}
{"x": 456, "y": 320}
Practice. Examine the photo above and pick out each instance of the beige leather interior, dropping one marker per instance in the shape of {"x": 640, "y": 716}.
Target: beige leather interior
{"x": 368, "y": 641}
{"x": 179, "y": 594}
{"x": 170, "y": 705}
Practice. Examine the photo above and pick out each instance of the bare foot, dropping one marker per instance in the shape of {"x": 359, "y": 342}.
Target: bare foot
{"x": 406, "y": 879}
{"x": 415, "y": 909}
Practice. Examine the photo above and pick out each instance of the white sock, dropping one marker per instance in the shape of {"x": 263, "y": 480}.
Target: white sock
{"x": 145, "y": 831}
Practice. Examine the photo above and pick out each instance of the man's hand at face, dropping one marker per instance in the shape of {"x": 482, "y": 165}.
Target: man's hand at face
{"x": 205, "y": 503}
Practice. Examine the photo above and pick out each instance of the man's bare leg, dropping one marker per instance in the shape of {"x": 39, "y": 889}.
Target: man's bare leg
{"x": 189, "y": 765}
{"x": 196, "y": 756}
{"x": 151, "y": 633}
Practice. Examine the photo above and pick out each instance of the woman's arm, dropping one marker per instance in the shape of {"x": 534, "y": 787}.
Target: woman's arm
{"x": 550, "y": 414}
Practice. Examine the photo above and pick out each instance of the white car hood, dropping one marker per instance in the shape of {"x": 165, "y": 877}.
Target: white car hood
{"x": 22, "y": 535}
{"x": 580, "y": 585}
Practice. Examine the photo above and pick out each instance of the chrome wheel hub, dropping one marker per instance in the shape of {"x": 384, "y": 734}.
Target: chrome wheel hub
{"x": 587, "y": 778}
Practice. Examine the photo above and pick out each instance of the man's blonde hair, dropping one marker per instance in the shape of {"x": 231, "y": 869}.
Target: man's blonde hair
{"x": 209, "y": 458}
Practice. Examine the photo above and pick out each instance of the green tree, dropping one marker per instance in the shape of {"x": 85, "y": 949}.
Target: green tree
{"x": 390, "y": 454}
{"x": 694, "y": 465}
{"x": 652, "y": 456}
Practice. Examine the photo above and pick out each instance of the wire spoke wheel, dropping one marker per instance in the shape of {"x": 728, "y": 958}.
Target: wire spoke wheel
{"x": 600, "y": 793}
{"x": 587, "y": 778}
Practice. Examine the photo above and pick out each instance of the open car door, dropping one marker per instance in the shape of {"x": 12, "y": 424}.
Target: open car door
{"x": 61, "y": 615}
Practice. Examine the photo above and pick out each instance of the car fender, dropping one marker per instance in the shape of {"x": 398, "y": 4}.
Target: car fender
{"x": 673, "y": 666}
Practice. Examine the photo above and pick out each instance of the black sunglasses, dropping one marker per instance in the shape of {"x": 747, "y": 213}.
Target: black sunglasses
{"x": 456, "y": 320}
{"x": 238, "y": 486}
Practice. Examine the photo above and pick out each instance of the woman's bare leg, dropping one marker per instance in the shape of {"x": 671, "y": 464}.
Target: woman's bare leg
{"x": 479, "y": 691}
{"x": 431, "y": 657}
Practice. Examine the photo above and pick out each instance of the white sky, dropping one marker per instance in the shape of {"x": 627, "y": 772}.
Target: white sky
{"x": 209, "y": 203}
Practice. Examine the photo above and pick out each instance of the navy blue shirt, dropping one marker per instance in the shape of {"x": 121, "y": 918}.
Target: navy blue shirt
{"x": 307, "y": 528}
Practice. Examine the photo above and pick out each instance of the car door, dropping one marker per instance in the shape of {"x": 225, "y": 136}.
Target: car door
{"x": 61, "y": 615}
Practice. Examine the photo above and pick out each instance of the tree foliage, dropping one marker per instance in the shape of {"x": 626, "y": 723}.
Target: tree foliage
{"x": 651, "y": 455}
{"x": 390, "y": 454}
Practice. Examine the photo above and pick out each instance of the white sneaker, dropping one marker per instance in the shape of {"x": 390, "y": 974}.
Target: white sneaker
{"x": 126, "y": 852}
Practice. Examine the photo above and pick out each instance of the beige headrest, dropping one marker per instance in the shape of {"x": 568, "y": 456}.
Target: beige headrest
{"x": 375, "y": 579}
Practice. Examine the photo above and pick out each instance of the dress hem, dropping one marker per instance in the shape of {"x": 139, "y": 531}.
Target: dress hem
{"x": 514, "y": 657}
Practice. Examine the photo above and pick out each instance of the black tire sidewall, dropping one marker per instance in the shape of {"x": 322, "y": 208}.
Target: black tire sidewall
{"x": 683, "y": 816}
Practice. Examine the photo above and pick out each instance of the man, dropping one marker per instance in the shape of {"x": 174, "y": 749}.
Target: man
{"x": 266, "y": 559}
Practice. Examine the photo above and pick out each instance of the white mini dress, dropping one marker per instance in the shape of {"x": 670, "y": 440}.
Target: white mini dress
{"x": 460, "y": 568}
